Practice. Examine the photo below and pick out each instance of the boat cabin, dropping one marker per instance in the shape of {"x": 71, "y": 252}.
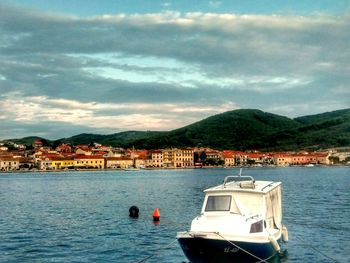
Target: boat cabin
{"x": 248, "y": 198}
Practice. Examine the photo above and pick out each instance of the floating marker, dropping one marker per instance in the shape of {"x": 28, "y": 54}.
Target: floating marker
{"x": 156, "y": 215}
{"x": 134, "y": 212}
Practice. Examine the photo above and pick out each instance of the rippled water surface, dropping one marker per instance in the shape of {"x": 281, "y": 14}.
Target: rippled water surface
{"x": 83, "y": 216}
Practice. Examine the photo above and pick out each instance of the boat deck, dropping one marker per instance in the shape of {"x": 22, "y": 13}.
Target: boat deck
{"x": 244, "y": 184}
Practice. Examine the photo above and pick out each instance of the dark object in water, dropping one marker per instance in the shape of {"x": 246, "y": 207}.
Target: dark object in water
{"x": 134, "y": 212}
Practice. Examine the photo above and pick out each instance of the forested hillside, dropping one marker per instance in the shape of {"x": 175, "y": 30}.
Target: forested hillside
{"x": 238, "y": 129}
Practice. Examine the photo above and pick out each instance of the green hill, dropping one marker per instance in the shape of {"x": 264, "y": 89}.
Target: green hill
{"x": 238, "y": 129}
{"x": 255, "y": 129}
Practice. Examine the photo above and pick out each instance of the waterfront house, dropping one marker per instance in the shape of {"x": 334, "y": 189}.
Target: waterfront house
{"x": 188, "y": 157}
{"x": 177, "y": 157}
{"x": 59, "y": 163}
{"x": 118, "y": 162}
{"x": 229, "y": 158}
{"x": 241, "y": 158}
{"x": 183, "y": 157}
{"x": 282, "y": 159}
{"x": 140, "y": 162}
{"x": 168, "y": 158}
{"x": 213, "y": 155}
{"x": 303, "y": 159}
{"x": 44, "y": 164}
{"x": 26, "y": 163}
{"x": 89, "y": 161}
{"x": 322, "y": 158}
{"x": 256, "y": 158}
{"x": 157, "y": 158}
{"x": 9, "y": 163}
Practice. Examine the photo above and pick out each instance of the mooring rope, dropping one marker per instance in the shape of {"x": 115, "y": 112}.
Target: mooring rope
{"x": 317, "y": 250}
{"x": 159, "y": 250}
{"x": 260, "y": 259}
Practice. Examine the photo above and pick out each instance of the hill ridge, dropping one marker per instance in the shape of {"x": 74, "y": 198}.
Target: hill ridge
{"x": 240, "y": 129}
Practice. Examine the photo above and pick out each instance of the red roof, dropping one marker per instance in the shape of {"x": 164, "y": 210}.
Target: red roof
{"x": 228, "y": 154}
{"x": 118, "y": 159}
{"x": 88, "y": 157}
{"x": 255, "y": 155}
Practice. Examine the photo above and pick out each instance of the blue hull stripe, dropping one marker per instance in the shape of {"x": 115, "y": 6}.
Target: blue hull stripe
{"x": 202, "y": 250}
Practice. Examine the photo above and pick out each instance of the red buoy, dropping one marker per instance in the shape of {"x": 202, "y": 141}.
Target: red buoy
{"x": 156, "y": 215}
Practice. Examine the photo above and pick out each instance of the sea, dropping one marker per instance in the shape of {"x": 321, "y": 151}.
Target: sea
{"x": 84, "y": 216}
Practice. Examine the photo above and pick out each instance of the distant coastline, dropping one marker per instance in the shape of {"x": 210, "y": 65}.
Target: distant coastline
{"x": 162, "y": 168}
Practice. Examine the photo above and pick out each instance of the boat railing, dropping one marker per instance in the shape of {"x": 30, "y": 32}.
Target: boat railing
{"x": 236, "y": 178}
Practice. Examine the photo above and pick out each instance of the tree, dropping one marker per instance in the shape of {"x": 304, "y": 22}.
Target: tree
{"x": 334, "y": 159}
{"x": 203, "y": 156}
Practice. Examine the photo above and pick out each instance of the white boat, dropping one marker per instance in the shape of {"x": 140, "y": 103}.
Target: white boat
{"x": 240, "y": 221}
{"x": 131, "y": 169}
{"x": 310, "y": 165}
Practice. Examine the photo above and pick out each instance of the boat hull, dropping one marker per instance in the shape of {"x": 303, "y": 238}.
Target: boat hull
{"x": 204, "y": 250}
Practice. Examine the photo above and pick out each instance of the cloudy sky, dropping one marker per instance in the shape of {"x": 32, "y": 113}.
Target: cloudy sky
{"x": 106, "y": 66}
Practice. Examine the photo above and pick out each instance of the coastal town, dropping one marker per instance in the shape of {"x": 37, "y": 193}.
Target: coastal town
{"x": 16, "y": 157}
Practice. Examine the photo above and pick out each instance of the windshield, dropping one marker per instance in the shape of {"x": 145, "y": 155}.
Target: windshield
{"x": 218, "y": 203}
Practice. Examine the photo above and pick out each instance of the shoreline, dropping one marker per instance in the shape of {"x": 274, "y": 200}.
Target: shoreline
{"x": 166, "y": 168}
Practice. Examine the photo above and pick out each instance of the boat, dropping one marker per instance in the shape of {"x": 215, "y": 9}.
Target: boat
{"x": 130, "y": 168}
{"x": 240, "y": 221}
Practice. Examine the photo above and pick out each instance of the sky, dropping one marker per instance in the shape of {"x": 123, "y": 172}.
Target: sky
{"x": 106, "y": 66}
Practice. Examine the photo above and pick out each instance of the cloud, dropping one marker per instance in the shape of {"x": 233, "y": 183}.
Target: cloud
{"x": 145, "y": 71}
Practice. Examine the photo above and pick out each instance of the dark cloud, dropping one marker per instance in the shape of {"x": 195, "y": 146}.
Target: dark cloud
{"x": 200, "y": 62}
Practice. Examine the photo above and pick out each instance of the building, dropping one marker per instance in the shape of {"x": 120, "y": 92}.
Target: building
{"x": 177, "y": 157}
{"x": 229, "y": 158}
{"x": 26, "y": 163}
{"x": 213, "y": 155}
{"x": 59, "y": 163}
{"x": 183, "y": 157}
{"x": 44, "y": 164}
{"x": 303, "y": 159}
{"x": 322, "y": 158}
{"x": 64, "y": 148}
{"x": 119, "y": 162}
{"x": 256, "y": 158}
{"x": 89, "y": 161}
{"x": 168, "y": 158}
{"x": 157, "y": 158}
{"x": 282, "y": 159}
{"x": 9, "y": 163}
{"x": 37, "y": 144}
{"x": 187, "y": 157}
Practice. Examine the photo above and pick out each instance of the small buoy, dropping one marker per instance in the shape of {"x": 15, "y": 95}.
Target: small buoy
{"x": 156, "y": 215}
{"x": 134, "y": 212}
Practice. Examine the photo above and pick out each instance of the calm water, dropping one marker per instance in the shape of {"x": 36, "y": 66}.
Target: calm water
{"x": 83, "y": 216}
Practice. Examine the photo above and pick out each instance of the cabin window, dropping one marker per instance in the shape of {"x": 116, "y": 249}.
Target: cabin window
{"x": 218, "y": 203}
{"x": 256, "y": 227}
